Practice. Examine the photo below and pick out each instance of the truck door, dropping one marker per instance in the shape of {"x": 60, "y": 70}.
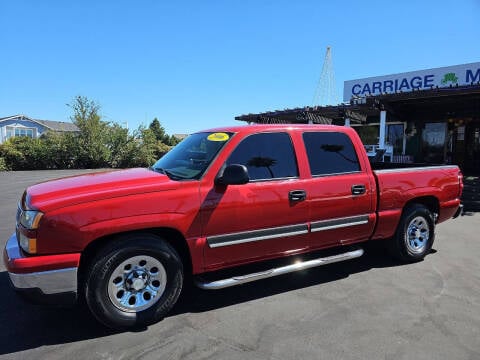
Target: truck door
{"x": 340, "y": 193}
{"x": 260, "y": 219}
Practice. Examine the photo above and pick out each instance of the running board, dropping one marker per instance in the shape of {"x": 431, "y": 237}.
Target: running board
{"x": 238, "y": 280}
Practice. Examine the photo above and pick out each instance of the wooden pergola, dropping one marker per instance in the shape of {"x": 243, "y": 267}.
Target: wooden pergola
{"x": 439, "y": 103}
{"x": 311, "y": 115}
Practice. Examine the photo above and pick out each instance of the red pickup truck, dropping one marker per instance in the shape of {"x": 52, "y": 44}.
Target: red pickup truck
{"x": 125, "y": 240}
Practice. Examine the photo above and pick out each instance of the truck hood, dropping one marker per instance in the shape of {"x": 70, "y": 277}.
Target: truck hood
{"x": 73, "y": 190}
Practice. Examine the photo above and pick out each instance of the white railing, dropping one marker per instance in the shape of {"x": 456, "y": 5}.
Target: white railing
{"x": 372, "y": 151}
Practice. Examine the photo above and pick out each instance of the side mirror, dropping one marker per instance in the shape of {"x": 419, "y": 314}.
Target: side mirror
{"x": 234, "y": 174}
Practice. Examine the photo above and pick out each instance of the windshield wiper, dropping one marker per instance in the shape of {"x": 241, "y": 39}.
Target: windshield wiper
{"x": 171, "y": 175}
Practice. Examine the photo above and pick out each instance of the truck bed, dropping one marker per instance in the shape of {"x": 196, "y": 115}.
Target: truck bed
{"x": 436, "y": 186}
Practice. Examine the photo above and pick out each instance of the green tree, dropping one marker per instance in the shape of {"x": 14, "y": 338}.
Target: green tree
{"x": 61, "y": 149}
{"x": 91, "y": 144}
{"x": 158, "y": 130}
{"x": 146, "y": 147}
{"x": 160, "y": 133}
{"x": 173, "y": 140}
{"x": 122, "y": 147}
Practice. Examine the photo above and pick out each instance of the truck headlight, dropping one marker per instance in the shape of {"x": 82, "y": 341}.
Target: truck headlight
{"x": 27, "y": 223}
{"x": 30, "y": 219}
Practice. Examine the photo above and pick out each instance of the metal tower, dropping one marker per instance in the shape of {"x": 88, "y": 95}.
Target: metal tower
{"x": 326, "y": 93}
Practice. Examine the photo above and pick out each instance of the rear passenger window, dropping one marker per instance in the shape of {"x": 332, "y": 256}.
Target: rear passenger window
{"x": 330, "y": 153}
{"x": 266, "y": 156}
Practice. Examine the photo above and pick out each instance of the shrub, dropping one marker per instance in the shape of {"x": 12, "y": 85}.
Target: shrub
{"x": 96, "y": 144}
{"x": 3, "y": 164}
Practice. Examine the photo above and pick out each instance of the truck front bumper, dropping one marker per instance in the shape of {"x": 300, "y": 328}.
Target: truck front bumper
{"x": 50, "y": 279}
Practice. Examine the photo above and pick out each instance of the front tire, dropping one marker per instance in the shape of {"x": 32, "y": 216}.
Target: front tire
{"x": 134, "y": 281}
{"x": 415, "y": 234}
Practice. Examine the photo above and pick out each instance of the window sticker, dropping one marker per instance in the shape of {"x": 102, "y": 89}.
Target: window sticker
{"x": 218, "y": 137}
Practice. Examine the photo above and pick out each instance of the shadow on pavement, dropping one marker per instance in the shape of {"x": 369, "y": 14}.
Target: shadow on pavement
{"x": 195, "y": 300}
{"x": 25, "y": 326}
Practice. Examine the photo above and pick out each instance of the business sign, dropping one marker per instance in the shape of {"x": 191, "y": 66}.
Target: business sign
{"x": 415, "y": 80}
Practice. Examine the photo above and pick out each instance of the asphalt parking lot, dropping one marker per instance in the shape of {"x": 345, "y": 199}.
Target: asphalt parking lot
{"x": 367, "y": 308}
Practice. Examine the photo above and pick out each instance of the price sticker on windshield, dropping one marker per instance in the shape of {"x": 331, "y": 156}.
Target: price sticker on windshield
{"x": 218, "y": 137}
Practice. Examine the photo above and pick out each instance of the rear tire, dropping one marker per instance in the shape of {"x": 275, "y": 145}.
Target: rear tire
{"x": 415, "y": 234}
{"x": 134, "y": 281}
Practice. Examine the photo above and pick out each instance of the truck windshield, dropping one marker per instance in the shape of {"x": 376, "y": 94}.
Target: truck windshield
{"x": 190, "y": 158}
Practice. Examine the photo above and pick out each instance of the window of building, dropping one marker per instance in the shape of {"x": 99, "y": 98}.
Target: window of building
{"x": 434, "y": 139}
{"x": 368, "y": 133}
{"x": 394, "y": 136}
{"x": 267, "y": 156}
{"x": 330, "y": 153}
{"x": 20, "y": 131}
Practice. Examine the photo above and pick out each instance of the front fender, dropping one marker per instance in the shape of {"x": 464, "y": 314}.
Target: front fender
{"x": 104, "y": 228}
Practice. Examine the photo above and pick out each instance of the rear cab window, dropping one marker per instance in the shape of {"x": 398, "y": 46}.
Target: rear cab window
{"x": 267, "y": 156}
{"x": 330, "y": 153}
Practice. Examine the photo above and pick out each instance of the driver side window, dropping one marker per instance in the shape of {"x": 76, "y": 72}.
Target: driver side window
{"x": 267, "y": 156}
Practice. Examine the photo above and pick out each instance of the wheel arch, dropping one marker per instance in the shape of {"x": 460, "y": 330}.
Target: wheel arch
{"x": 401, "y": 245}
{"x": 172, "y": 236}
{"x": 430, "y": 202}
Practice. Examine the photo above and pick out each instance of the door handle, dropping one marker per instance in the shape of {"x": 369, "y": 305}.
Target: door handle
{"x": 297, "y": 195}
{"x": 358, "y": 189}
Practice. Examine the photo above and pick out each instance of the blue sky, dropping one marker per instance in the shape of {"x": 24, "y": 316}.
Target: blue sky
{"x": 198, "y": 64}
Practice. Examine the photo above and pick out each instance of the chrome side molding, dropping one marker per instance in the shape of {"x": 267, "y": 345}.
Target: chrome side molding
{"x": 238, "y": 280}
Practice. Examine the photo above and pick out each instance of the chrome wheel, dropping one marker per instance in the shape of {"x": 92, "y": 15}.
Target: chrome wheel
{"x": 417, "y": 235}
{"x": 137, "y": 283}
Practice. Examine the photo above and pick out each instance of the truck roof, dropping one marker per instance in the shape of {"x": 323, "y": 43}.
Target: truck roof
{"x": 271, "y": 127}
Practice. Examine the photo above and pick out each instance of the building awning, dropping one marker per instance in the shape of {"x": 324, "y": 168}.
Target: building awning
{"x": 314, "y": 115}
{"x": 435, "y": 103}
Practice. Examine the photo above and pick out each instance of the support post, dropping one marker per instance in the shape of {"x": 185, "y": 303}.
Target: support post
{"x": 383, "y": 127}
